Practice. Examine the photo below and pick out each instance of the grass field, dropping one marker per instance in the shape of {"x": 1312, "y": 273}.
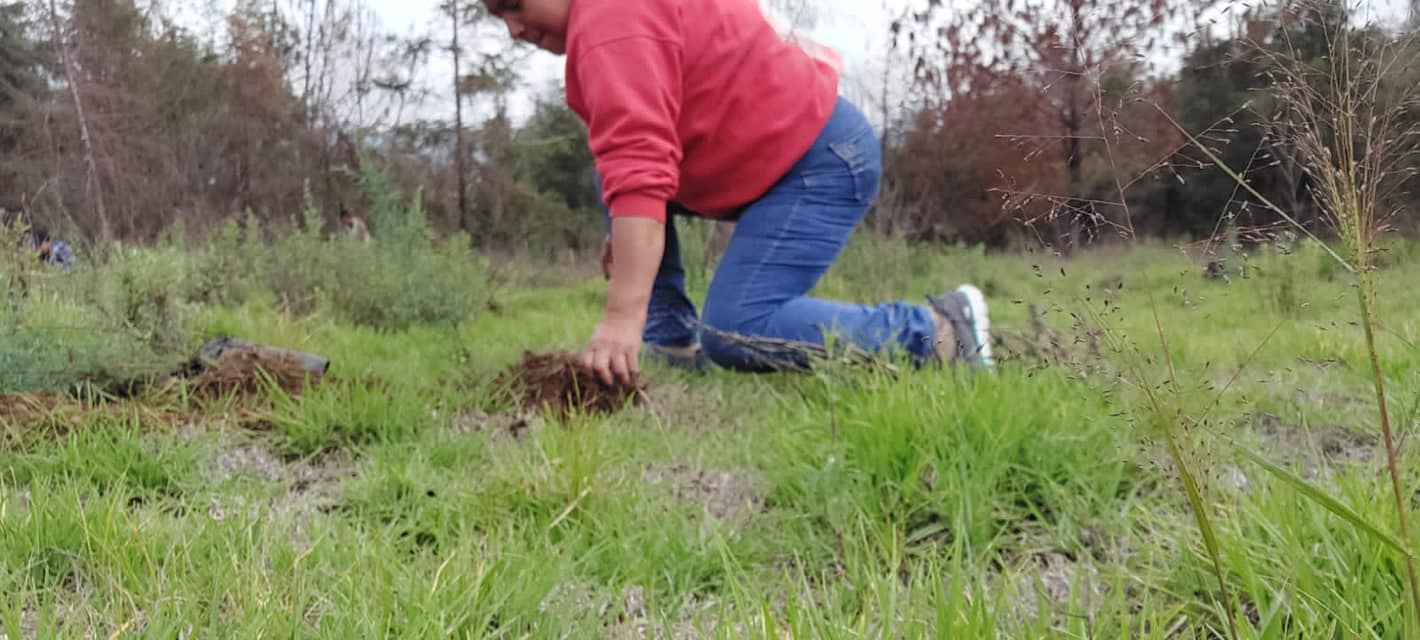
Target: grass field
{"x": 405, "y": 498}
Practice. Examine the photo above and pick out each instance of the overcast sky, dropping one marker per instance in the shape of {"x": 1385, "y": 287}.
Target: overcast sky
{"x": 858, "y": 29}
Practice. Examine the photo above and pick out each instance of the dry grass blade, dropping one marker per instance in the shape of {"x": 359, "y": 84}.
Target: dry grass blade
{"x": 1170, "y": 422}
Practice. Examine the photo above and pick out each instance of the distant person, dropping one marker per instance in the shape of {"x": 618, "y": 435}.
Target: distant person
{"x": 49, "y": 249}
{"x": 703, "y": 108}
{"x": 353, "y": 226}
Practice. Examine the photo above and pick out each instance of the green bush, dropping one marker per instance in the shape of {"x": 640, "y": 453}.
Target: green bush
{"x": 300, "y": 265}
{"x": 122, "y": 322}
{"x": 127, "y": 313}
{"x": 402, "y": 278}
{"x": 230, "y": 268}
{"x": 139, "y": 293}
{"x": 396, "y": 286}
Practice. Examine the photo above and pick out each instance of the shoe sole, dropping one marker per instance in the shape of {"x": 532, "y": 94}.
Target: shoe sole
{"x": 980, "y": 322}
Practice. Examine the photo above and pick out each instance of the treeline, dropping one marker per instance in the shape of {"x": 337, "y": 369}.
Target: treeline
{"x": 1068, "y": 122}
{"x": 120, "y": 119}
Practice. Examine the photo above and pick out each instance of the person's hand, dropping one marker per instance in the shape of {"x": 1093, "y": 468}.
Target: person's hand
{"x": 606, "y": 257}
{"x": 638, "y": 244}
{"x": 614, "y": 350}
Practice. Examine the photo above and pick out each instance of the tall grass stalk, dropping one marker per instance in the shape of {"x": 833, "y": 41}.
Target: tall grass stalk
{"x": 1350, "y": 133}
{"x": 1171, "y": 424}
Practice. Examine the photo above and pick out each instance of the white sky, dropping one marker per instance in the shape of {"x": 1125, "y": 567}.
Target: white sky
{"x": 858, "y": 29}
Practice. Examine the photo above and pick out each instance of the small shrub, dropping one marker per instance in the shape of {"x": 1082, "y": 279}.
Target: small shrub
{"x": 397, "y": 287}
{"x": 1280, "y": 277}
{"x": 226, "y": 270}
{"x": 139, "y": 294}
{"x": 122, "y": 322}
{"x": 299, "y": 264}
{"x": 402, "y": 278}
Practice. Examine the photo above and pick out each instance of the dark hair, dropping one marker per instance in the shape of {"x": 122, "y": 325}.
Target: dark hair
{"x": 38, "y": 235}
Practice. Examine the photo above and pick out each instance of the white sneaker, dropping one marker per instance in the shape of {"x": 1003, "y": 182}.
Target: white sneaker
{"x": 965, "y": 308}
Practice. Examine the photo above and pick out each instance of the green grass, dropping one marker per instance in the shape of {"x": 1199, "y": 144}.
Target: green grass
{"x": 1031, "y": 502}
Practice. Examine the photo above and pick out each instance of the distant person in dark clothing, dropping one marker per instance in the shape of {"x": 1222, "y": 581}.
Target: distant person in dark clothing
{"x": 49, "y": 249}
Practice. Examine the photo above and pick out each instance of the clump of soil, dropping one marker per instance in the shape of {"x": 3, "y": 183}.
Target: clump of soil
{"x": 24, "y": 408}
{"x": 246, "y": 371}
{"x": 559, "y": 384}
{"x": 228, "y": 367}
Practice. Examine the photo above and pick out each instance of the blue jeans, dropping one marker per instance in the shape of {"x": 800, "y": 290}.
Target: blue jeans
{"x": 757, "y": 314}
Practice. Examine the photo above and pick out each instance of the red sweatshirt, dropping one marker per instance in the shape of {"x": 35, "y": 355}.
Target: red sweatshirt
{"x": 697, "y": 101}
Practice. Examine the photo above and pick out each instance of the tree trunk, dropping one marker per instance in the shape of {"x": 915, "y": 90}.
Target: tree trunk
{"x": 1067, "y": 227}
{"x": 460, "y": 168}
{"x": 308, "y": 60}
{"x": 92, "y": 186}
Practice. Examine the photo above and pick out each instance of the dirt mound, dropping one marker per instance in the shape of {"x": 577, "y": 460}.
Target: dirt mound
{"x": 558, "y": 383}
{"x": 24, "y": 408}
{"x": 247, "y": 371}
{"x": 223, "y": 366}
{"x": 23, "y": 415}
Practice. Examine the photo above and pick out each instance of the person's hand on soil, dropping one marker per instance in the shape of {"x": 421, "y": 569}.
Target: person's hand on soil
{"x": 614, "y": 351}
{"x": 606, "y": 258}
{"x": 638, "y": 243}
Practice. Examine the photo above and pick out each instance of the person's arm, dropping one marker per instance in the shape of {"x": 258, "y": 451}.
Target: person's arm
{"x": 629, "y": 88}
{"x": 637, "y": 244}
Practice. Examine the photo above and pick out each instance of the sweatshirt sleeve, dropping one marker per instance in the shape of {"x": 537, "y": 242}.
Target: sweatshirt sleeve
{"x": 631, "y": 89}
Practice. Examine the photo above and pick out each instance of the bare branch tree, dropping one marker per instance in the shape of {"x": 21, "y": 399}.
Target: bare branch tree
{"x": 92, "y": 186}
{"x": 460, "y": 151}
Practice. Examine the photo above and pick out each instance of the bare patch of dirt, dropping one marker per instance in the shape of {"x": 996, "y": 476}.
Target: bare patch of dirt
{"x": 1053, "y": 580}
{"x": 253, "y": 459}
{"x": 627, "y": 615}
{"x": 558, "y": 384}
{"x": 28, "y": 623}
{"x": 22, "y": 498}
{"x": 630, "y": 618}
{"x": 1316, "y": 448}
{"x": 72, "y": 616}
{"x": 725, "y": 495}
{"x": 571, "y": 595}
{"x": 313, "y": 486}
{"x": 691, "y": 409}
{"x": 512, "y": 426}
